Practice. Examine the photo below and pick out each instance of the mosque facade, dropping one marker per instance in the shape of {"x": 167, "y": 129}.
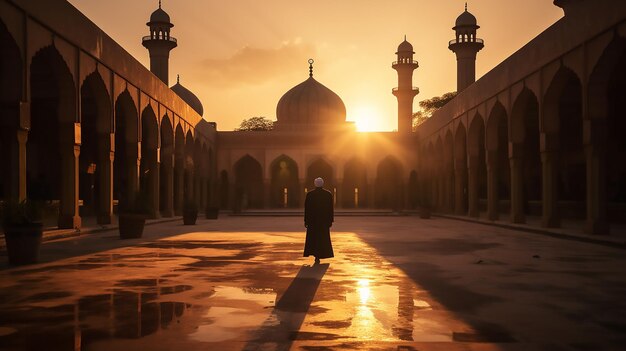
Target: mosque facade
{"x": 536, "y": 140}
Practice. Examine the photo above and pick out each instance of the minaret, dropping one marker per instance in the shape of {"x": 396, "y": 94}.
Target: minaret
{"x": 159, "y": 43}
{"x": 465, "y": 46}
{"x": 405, "y": 92}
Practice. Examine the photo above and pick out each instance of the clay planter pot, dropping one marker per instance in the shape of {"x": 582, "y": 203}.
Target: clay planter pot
{"x": 131, "y": 225}
{"x": 211, "y": 213}
{"x": 23, "y": 242}
{"x": 424, "y": 212}
{"x": 190, "y": 217}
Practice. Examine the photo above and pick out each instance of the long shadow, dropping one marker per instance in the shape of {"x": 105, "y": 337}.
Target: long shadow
{"x": 282, "y": 326}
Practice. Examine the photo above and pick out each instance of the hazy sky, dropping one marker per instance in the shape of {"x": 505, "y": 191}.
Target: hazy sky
{"x": 241, "y": 56}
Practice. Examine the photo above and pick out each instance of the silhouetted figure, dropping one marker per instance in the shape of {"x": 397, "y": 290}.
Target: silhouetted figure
{"x": 318, "y": 218}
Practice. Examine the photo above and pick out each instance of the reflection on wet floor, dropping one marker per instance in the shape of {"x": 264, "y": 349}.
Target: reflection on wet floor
{"x": 239, "y": 291}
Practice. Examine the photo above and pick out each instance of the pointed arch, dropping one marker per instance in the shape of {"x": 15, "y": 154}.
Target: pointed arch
{"x": 498, "y": 171}
{"x": 95, "y": 169}
{"x": 460, "y": 170}
{"x": 248, "y": 183}
{"x": 149, "y": 168}
{"x": 525, "y": 157}
{"x": 605, "y": 141}
{"x": 126, "y": 172}
{"x": 477, "y": 167}
{"x": 179, "y": 169}
{"x": 166, "y": 168}
{"x": 354, "y": 187}
{"x": 284, "y": 183}
{"x": 563, "y": 129}
{"x": 389, "y": 184}
{"x": 51, "y": 167}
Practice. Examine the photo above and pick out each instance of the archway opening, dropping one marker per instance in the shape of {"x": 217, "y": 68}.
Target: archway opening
{"x": 149, "y": 164}
{"x": 354, "y": 187}
{"x": 525, "y": 133}
{"x": 389, "y": 185}
{"x": 460, "y": 170}
{"x": 53, "y": 111}
{"x": 248, "y": 183}
{"x": 95, "y": 160}
{"x": 284, "y": 187}
{"x": 166, "y": 177}
{"x": 125, "y": 182}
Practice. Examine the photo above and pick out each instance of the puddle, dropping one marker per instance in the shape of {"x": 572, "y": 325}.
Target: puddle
{"x": 234, "y": 313}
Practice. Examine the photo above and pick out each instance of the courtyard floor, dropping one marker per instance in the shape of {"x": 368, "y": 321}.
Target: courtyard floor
{"x": 240, "y": 283}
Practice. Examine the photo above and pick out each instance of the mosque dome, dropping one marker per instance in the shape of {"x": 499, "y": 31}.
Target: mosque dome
{"x": 310, "y": 102}
{"x": 190, "y": 98}
{"x": 466, "y": 19}
{"x": 405, "y": 46}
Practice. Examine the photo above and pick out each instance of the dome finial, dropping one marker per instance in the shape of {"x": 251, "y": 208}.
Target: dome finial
{"x": 405, "y": 37}
{"x": 159, "y": 3}
{"x": 178, "y": 78}
{"x": 466, "y": 6}
{"x": 311, "y": 67}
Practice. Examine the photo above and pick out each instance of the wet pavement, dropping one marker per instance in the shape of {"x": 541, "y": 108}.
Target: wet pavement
{"x": 396, "y": 283}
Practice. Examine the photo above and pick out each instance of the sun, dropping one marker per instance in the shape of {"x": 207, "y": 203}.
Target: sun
{"x": 366, "y": 118}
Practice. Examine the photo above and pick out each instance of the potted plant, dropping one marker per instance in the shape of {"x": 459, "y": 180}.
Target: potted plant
{"x": 132, "y": 217}
{"x": 190, "y": 212}
{"x": 211, "y": 212}
{"x": 23, "y": 230}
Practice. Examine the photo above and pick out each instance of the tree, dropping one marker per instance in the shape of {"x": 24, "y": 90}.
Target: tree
{"x": 256, "y": 124}
{"x": 429, "y": 106}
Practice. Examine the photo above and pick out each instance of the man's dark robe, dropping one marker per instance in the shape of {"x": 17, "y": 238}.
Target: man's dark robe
{"x": 318, "y": 217}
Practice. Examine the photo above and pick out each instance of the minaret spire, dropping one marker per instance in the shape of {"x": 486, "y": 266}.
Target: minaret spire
{"x": 160, "y": 4}
{"x": 466, "y": 6}
{"x": 178, "y": 79}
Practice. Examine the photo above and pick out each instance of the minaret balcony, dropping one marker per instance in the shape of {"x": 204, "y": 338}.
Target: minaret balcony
{"x": 159, "y": 37}
{"x": 463, "y": 41}
{"x": 405, "y": 62}
{"x": 412, "y": 90}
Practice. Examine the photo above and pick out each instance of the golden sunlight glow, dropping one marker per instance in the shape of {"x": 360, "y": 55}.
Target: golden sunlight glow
{"x": 364, "y": 290}
{"x": 367, "y": 118}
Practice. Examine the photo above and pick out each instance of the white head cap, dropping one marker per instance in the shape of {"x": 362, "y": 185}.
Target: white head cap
{"x": 319, "y": 182}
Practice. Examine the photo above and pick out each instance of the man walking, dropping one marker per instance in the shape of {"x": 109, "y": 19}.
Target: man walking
{"x": 318, "y": 218}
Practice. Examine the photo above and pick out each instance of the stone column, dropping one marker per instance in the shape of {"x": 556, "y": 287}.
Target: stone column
{"x": 267, "y": 194}
{"x": 472, "y": 187}
{"x": 549, "y": 164}
{"x": 14, "y": 148}
{"x": 339, "y": 199}
{"x": 104, "y": 169}
{"x": 451, "y": 191}
{"x": 371, "y": 194}
{"x": 517, "y": 189}
{"x": 167, "y": 181}
{"x": 459, "y": 196}
{"x": 492, "y": 185}
{"x": 152, "y": 182}
{"x": 595, "y": 153}
{"x": 69, "y": 217}
{"x": 133, "y": 163}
